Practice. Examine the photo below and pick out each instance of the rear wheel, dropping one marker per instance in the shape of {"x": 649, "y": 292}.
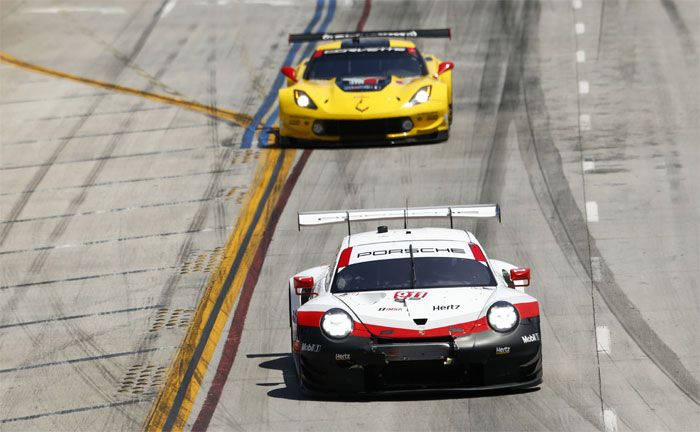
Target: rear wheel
{"x": 449, "y": 116}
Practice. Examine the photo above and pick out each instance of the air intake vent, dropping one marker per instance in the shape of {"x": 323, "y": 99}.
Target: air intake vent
{"x": 420, "y": 321}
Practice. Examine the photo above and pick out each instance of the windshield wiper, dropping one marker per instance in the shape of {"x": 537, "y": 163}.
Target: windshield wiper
{"x": 413, "y": 267}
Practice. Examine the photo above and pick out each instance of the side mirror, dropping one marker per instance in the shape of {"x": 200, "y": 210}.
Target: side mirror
{"x": 289, "y": 72}
{"x": 304, "y": 285}
{"x": 444, "y": 67}
{"x": 520, "y": 277}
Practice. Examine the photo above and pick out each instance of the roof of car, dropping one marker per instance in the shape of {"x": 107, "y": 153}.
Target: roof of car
{"x": 368, "y": 42}
{"x": 410, "y": 234}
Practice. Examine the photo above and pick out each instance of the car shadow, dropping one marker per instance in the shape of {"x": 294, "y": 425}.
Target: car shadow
{"x": 284, "y": 363}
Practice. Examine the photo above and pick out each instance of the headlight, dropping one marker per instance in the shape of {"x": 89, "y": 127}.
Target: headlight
{"x": 336, "y": 324}
{"x": 502, "y": 316}
{"x": 421, "y": 96}
{"x": 303, "y": 100}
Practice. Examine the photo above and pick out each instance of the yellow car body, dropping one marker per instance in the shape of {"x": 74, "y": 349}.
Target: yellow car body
{"x": 370, "y": 115}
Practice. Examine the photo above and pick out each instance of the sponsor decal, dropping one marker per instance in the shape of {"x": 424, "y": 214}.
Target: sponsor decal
{"x": 409, "y": 295}
{"x": 364, "y": 50}
{"x": 502, "y": 350}
{"x": 396, "y": 33}
{"x": 311, "y": 347}
{"x": 415, "y": 251}
{"x": 445, "y": 307}
{"x": 342, "y": 357}
{"x": 390, "y": 309}
{"x": 531, "y": 338}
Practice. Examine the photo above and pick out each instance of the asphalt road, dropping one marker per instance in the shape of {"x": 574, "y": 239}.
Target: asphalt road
{"x": 579, "y": 117}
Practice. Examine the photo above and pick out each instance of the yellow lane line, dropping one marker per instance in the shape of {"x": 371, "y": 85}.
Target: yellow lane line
{"x": 163, "y": 403}
{"x": 224, "y": 114}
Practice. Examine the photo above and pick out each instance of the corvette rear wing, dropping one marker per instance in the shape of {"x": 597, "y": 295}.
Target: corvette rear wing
{"x": 347, "y": 216}
{"x": 313, "y": 37}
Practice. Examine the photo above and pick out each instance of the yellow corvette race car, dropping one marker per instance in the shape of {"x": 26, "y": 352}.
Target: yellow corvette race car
{"x": 366, "y": 87}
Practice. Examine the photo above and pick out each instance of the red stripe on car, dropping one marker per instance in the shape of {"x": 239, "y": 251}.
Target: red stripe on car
{"x": 366, "y": 330}
{"x": 477, "y": 252}
{"x": 309, "y": 319}
{"x": 344, "y": 259}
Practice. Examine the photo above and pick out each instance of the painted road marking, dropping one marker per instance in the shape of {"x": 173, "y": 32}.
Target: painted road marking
{"x": 602, "y": 337}
{"x": 596, "y": 269}
{"x": 581, "y": 56}
{"x": 168, "y": 8}
{"x": 583, "y": 87}
{"x": 580, "y": 28}
{"x": 186, "y": 370}
{"x": 610, "y": 420}
{"x": 584, "y": 121}
{"x": 577, "y": 4}
{"x": 592, "y": 211}
{"x": 224, "y": 114}
{"x": 588, "y": 165}
{"x": 171, "y": 408}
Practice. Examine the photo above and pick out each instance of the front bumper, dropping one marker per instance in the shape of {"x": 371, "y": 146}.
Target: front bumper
{"x": 429, "y": 123}
{"x": 480, "y": 361}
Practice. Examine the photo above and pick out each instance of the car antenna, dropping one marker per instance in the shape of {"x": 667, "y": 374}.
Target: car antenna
{"x": 413, "y": 267}
{"x": 405, "y": 215}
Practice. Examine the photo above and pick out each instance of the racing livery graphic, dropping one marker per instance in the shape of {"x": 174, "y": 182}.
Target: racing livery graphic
{"x": 366, "y": 87}
{"x": 413, "y": 309}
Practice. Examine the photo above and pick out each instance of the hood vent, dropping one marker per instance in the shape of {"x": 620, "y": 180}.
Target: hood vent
{"x": 420, "y": 321}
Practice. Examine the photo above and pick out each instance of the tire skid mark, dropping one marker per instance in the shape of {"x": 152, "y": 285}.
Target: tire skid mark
{"x": 684, "y": 33}
{"x": 113, "y": 182}
{"x": 80, "y": 360}
{"x": 89, "y": 277}
{"x": 112, "y": 157}
{"x": 82, "y": 339}
{"x": 106, "y": 134}
{"x": 72, "y": 317}
{"x": 506, "y": 59}
{"x": 145, "y": 399}
{"x": 216, "y": 229}
{"x": 544, "y": 167}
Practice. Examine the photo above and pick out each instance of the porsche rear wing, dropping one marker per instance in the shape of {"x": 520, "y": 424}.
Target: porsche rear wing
{"x": 347, "y": 216}
{"x": 427, "y": 33}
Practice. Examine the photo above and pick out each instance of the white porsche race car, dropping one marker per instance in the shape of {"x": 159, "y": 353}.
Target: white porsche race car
{"x": 413, "y": 309}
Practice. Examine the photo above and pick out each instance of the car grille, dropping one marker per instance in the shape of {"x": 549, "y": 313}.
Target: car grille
{"x": 356, "y": 128}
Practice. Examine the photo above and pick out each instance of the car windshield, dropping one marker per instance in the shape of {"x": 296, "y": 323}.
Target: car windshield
{"x": 394, "y": 274}
{"x": 348, "y": 64}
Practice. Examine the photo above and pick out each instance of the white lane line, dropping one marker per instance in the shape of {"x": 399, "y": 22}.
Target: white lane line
{"x": 169, "y": 6}
{"x": 588, "y": 165}
{"x": 602, "y": 337}
{"x": 577, "y": 4}
{"x": 581, "y": 56}
{"x": 580, "y": 28}
{"x": 610, "y": 420}
{"x": 592, "y": 211}
{"x": 596, "y": 269}
{"x": 69, "y": 9}
{"x": 583, "y": 87}
{"x": 584, "y": 122}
